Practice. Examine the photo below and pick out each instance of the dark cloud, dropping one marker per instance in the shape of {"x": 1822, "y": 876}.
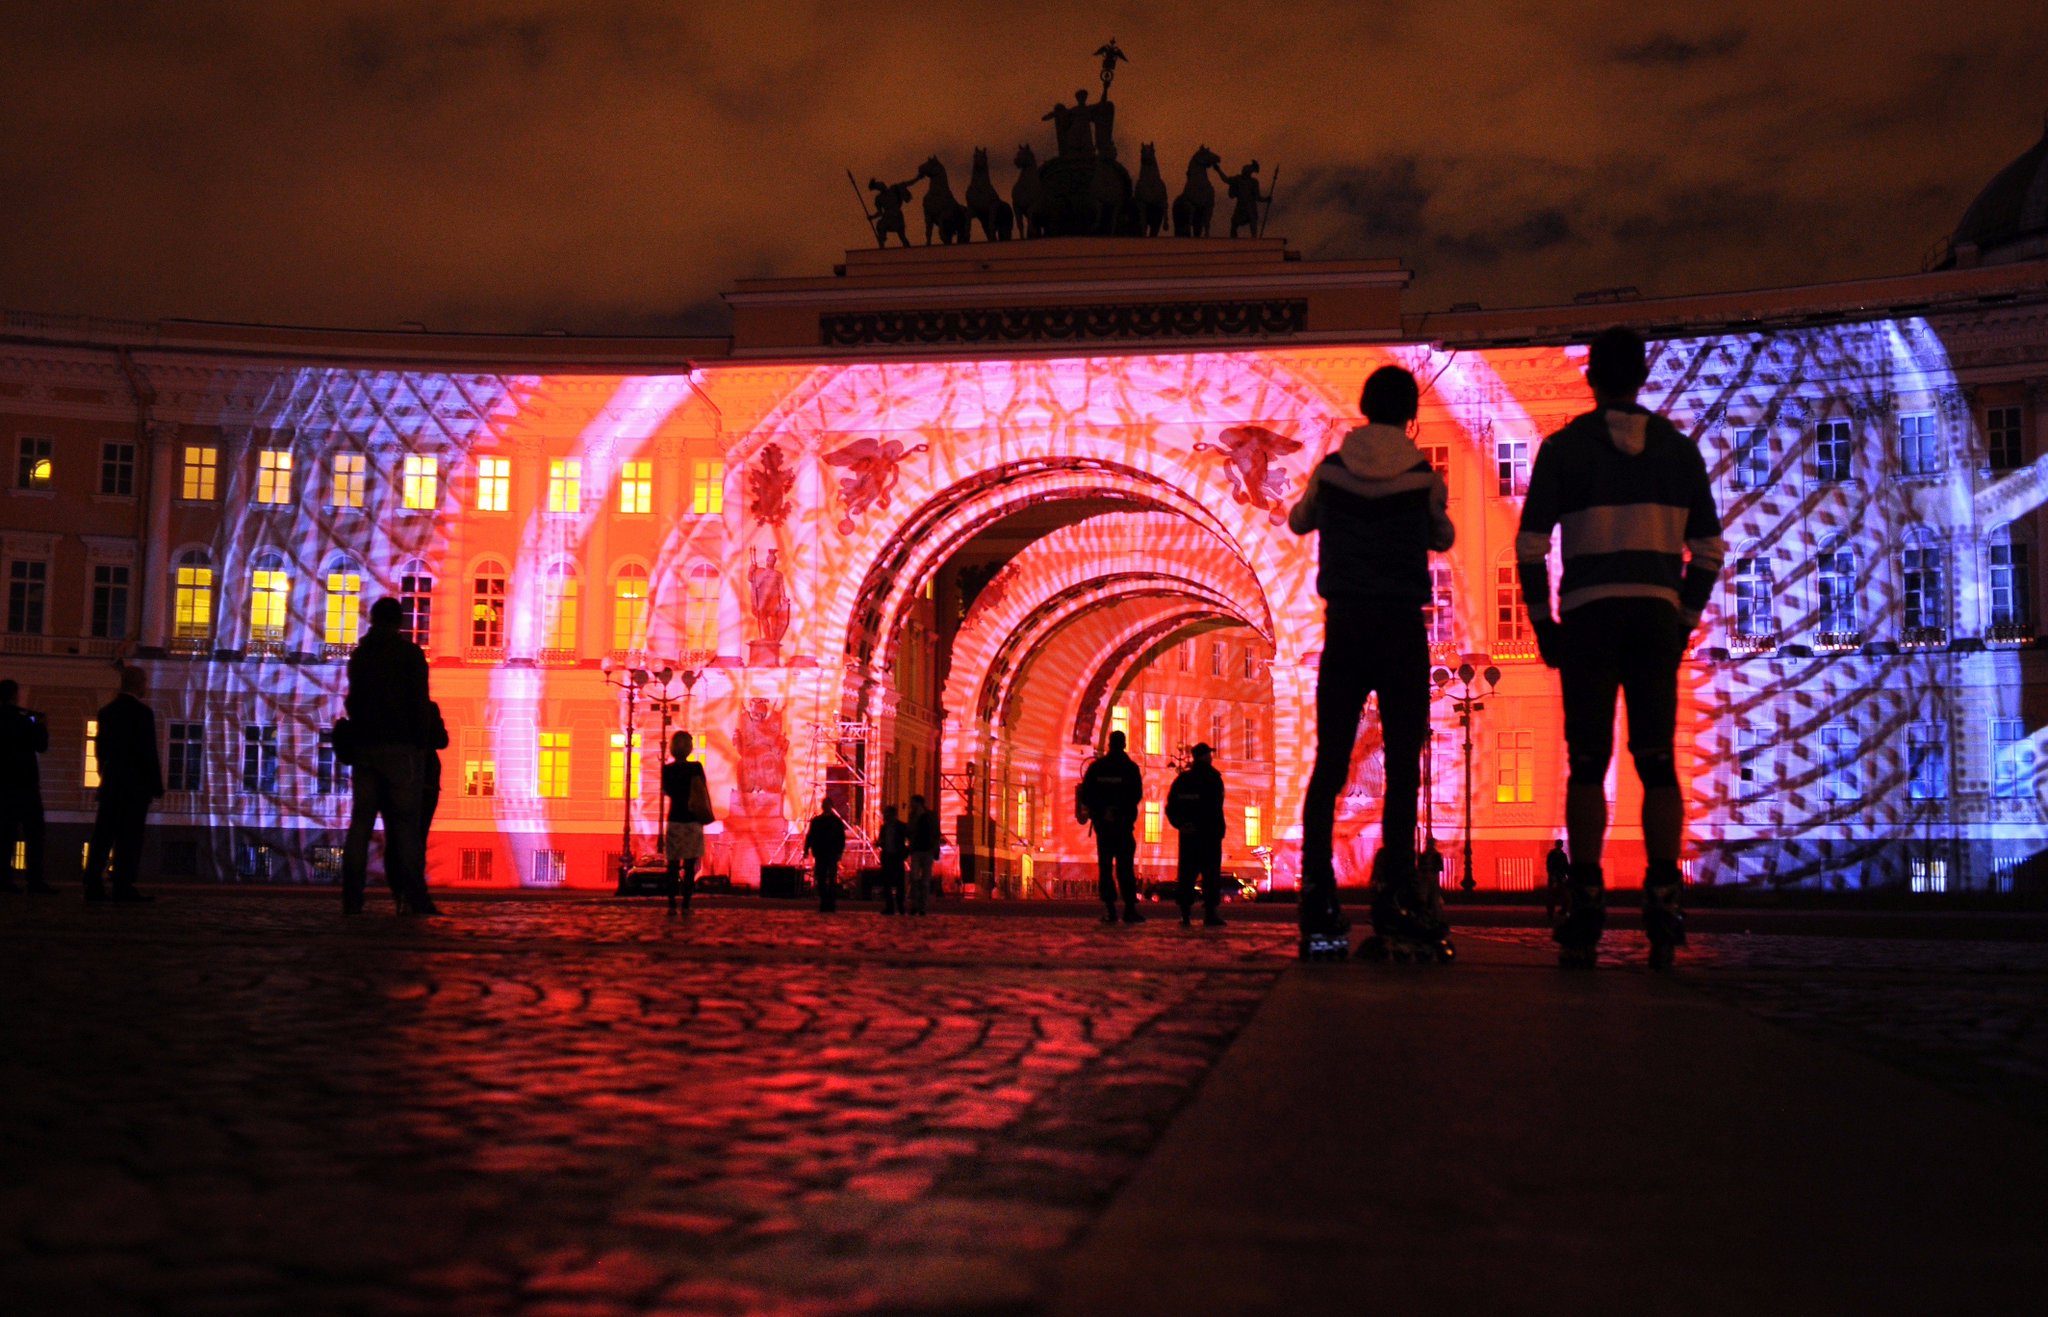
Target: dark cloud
{"x": 611, "y": 164}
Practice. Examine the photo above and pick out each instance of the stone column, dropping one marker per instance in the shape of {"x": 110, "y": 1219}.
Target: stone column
{"x": 155, "y": 550}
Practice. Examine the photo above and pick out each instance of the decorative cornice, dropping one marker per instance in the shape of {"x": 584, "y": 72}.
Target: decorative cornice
{"x": 1090, "y": 323}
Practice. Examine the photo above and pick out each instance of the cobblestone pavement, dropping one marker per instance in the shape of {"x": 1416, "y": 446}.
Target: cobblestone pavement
{"x": 241, "y": 1103}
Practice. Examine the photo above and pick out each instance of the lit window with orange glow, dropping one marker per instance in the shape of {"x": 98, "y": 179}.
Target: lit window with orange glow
{"x": 1254, "y": 826}
{"x": 707, "y": 489}
{"x": 344, "y": 606}
{"x": 487, "y": 606}
{"x": 199, "y": 474}
{"x": 494, "y": 484}
{"x": 1515, "y": 781}
{"x": 621, "y": 772}
{"x": 1023, "y": 823}
{"x": 273, "y": 476}
{"x": 1155, "y": 731}
{"x": 565, "y": 484}
{"x": 1153, "y": 814}
{"x": 636, "y": 488}
{"x": 419, "y": 482}
{"x": 1120, "y": 721}
{"x": 92, "y": 753}
{"x": 192, "y": 598}
{"x": 553, "y": 780}
{"x": 630, "y": 608}
{"x": 351, "y": 477}
{"x": 561, "y": 608}
{"x": 270, "y": 593}
{"x": 479, "y": 764}
{"x": 34, "y": 469}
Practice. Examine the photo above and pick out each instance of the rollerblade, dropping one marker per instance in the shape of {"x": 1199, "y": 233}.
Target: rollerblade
{"x": 1663, "y": 920}
{"x": 1582, "y": 919}
{"x": 1325, "y": 932}
{"x": 1407, "y": 922}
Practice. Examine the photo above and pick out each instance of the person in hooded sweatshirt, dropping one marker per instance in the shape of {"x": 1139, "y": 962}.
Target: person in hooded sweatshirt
{"x": 1381, "y": 510}
{"x": 1641, "y": 542}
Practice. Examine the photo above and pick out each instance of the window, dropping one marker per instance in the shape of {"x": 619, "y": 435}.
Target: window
{"x": 351, "y": 476}
{"x": 493, "y": 484}
{"x": 1752, "y": 457}
{"x": 273, "y": 476}
{"x": 1185, "y": 655}
{"x": 1839, "y": 748}
{"x": 1919, "y": 444}
{"x": 419, "y": 482}
{"x": 565, "y": 484}
{"x": 487, "y": 607}
{"x": 2012, "y": 587}
{"x": 1251, "y": 664}
{"x": 117, "y": 468}
{"x": 1439, "y": 458}
{"x": 1248, "y": 738}
{"x": 621, "y": 767}
{"x": 1833, "y": 453}
{"x": 185, "y": 769}
{"x": 1922, "y": 572}
{"x": 1216, "y": 732}
{"x": 476, "y": 866}
{"x": 1511, "y": 463}
{"x": 560, "y": 600}
{"x": 33, "y": 469}
{"x": 1021, "y": 818}
{"x": 1927, "y": 761}
{"x": 700, "y": 608}
{"x": 1837, "y": 578}
{"x": 1153, "y": 814}
{"x": 416, "y": 601}
{"x": 1254, "y": 826}
{"x": 1510, "y": 614}
{"x": 1755, "y": 614}
{"x": 1929, "y": 874}
{"x": 1120, "y": 720}
{"x": 270, "y": 594}
{"x": 92, "y": 754}
{"x": 201, "y": 467}
{"x": 1155, "y": 731}
{"x": 2002, "y": 438}
{"x": 110, "y": 601}
{"x": 28, "y": 586}
{"x": 1438, "y": 616}
{"x": 2011, "y": 759}
{"x": 1515, "y": 767}
{"x": 553, "y": 779}
{"x": 479, "y": 763}
{"x": 344, "y": 603}
{"x": 629, "y": 608}
{"x": 330, "y": 775}
{"x": 192, "y": 597}
{"x": 707, "y": 488}
{"x": 636, "y": 487}
{"x": 259, "y": 758}
{"x": 550, "y": 869}
{"x": 1756, "y": 769}
{"x": 1216, "y": 659}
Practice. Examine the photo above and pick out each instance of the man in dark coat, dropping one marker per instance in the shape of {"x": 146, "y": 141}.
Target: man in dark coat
{"x": 825, "y": 842}
{"x": 1194, "y": 806}
{"x": 24, "y": 735}
{"x": 1111, "y": 791}
{"x": 893, "y": 845}
{"x": 131, "y": 776}
{"x": 925, "y": 844}
{"x": 391, "y": 727}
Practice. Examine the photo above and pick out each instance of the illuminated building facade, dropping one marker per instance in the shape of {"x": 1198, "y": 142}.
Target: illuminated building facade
{"x": 938, "y": 522}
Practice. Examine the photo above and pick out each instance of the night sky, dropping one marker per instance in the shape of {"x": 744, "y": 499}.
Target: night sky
{"x": 609, "y": 165}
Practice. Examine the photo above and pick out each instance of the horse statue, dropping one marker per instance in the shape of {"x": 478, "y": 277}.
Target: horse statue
{"x": 1196, "y": 202}
{"x": 1027, "y": 193}
{"x": 985, "y": 203}
{"x": 943, "y": 213}
{"x": 1150, "y": 193}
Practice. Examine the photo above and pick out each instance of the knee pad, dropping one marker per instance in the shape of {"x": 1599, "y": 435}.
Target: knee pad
{"x": 1657, "y": 770}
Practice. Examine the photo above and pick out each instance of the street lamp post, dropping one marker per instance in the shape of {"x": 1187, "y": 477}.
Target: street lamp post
{"x": 629, "y": 680}
{"x": 1468, "y": 676}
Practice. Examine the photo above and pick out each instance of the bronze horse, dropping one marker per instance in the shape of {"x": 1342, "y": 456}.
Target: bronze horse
{"x": 943, "y": 213}
{"x": 1196, "y": 203}
{"x": 1150, "y": 193}
{"x": 1026, "y": 193}
{"x": 985, "y": 203}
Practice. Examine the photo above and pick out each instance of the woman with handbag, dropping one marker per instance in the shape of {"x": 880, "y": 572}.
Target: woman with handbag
{"x": 689, "y": 809}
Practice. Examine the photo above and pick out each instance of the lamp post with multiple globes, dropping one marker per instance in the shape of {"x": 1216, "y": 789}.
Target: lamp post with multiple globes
{"x": 1476, "y": 682}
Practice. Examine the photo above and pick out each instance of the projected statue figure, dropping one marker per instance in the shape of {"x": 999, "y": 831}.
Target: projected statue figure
{"x": 872, "y": 483}
{"x": 1250, "y": 454}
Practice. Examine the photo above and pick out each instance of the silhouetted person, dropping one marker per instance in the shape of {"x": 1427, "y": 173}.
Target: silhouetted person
{"x": 1557, "y": 871}
{"x": 1380, "y": 510}
{"x": 1111, "y": 791}
{"x": 24, "y": 735}
{"x": 689, "y": 809}
{"x": 391, "y": 725}
{"x": 1641, "y": 546}
{"x": 825, "y": 842}
{"x": 1432, "y": 868}
{"x": 1245, "y": 197}
{"x": 892, "y": 844}
{"x": 924, "y": 852}
{"x": 1194, "y": 806}
{"x": 131, "y": 777}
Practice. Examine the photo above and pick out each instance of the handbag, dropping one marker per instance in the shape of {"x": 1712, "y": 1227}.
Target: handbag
{"x": 698, "y": 808}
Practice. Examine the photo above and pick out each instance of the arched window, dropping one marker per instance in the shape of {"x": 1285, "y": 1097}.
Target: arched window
{"x": 2008, "y": 560}
{"x": 1835, "y": 575}
{"x": 416, "y": 597}
{"x": 344, "y": 601}
{"x": 1750, "y": 577}
{"x": 1510, "y": 614}
{"x": 700, "y": 608}
{"x": 561, "y": 596}
{"x": 192, "y": 596}
{"x": 270, "y": 599}
{"x": 630, "y": 608}
{"x": 1923, "y": 576}
{"x": 487, "y": 605}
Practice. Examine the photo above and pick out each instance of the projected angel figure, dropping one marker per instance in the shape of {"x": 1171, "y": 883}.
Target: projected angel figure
{"x": 872, "y": 483}
{"x": 1249, "y": 458}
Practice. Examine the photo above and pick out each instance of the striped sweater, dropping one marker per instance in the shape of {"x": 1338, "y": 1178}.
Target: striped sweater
{"x": 1631, "y": 499}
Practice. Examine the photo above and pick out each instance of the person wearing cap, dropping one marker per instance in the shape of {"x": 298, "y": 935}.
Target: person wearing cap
{"x": 1194, "y": 806}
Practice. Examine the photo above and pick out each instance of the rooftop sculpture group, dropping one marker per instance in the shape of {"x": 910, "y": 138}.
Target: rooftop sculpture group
{"x": 1083, "y": 189}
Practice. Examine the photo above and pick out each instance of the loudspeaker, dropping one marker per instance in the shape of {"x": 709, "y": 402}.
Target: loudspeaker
{"x": 782, "y": 880}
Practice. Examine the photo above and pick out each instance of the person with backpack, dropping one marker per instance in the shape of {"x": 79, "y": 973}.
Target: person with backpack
{"x": 1111, "y": 791}
{"x": 1194, "y": 806}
